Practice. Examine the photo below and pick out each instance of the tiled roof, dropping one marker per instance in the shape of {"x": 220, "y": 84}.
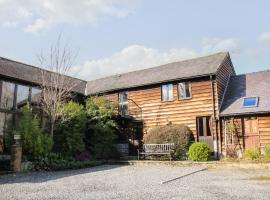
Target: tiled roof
{"x": 247, "y": 85}
{"x": 27, "y": 73}
{"x": 196, "y": 67}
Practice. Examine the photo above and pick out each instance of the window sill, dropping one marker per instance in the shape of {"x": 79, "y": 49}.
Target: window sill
{"x": 183, "y": 99}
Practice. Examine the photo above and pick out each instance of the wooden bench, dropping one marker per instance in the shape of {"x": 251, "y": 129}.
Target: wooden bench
{"x": 156, "y": 149}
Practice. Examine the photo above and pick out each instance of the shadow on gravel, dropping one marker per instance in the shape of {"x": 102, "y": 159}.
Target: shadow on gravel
{"x": 39, "y": 177}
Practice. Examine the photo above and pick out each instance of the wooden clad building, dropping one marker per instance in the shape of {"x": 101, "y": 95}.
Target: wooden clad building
{"x": 245, "y": 113}
{"x": 230, "y": 112}
{"x": 187, "y": 92}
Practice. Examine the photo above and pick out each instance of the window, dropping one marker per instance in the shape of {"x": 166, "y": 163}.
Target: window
{"x": 6, "y": 94}
{"x": 22, "y": 95}
{"x": 250, "y": 102}
{"x": 203, "y": 126}
{"x": 35, "y": 95}
{"x": 184, "y": 90}
{"x": 167, "y": 92}
{"x": 123, "y": 103}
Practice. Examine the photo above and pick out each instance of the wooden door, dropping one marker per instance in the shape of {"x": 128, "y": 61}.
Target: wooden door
{"x": 204, "y": 132}
{"x": 251, "y": 133}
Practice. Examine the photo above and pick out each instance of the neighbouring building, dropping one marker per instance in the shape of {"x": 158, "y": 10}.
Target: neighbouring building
{"x": 203, "y": 93}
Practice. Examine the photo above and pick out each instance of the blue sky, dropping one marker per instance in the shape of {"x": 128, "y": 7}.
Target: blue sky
{"x": 115, "y": 36}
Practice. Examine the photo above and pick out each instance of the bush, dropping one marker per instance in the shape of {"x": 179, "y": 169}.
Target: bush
{"x": 55, "y": 161}
{"x": 180, "y": 135}
{"x": 70, "y": 129}
{"x": 34, "y": 142}
{"x": 252, "y": 154}
{"x": 199, "y": 151}
{"x": 100, "y": 134}
{"x": 267, "y": 151}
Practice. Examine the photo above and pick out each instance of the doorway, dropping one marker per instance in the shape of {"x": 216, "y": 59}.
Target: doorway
{"x": 251, "y": 133}
{"x": 204, "y": 132}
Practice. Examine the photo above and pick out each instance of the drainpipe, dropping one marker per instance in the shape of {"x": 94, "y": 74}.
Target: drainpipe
{"x": 216, "y": 144}
{"x": 225, "y": 133}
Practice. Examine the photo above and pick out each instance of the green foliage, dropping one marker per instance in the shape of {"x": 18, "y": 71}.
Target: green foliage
{"x": 199, "y": 151}
{"x": 180, "y": 135}
{"x": 34, "y": 142}
{"x": 101, "y": 111}
{"x": 69, "y": 133}
{"x": 54, "y": 161}
{"x": 100, "y": 134}
{"x": 101, "y": 142}
{"x": 267, "y": 151}
{"x": 252, "y": 154}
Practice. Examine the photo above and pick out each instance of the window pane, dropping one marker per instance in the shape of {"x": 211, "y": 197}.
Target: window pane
{"x": 208, "y": 130}
{"x": 200, "y": 126}
{"x": 170, "y": 92}
{"x": 7, "y": 95}
{"x": 124, "y": 96}
{"x": 250, "y": 102}
{"x": 187, "y": 90}
{"x": 35, "y": 95}
{"x": 22, "y": 96}
{"x": 164, "y": 92}
{"x": 184, "y": 90}
{"x": 181, "y": 90}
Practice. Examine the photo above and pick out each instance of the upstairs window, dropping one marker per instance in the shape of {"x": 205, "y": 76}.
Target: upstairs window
{"x": 123, "y": 103}
{"x": 184, "y": 90}
{"x": 250, "y": 102}
{"x": 167, "y": 92}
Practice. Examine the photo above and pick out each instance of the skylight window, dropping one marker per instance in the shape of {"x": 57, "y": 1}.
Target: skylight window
{"x": 250, "y": 102}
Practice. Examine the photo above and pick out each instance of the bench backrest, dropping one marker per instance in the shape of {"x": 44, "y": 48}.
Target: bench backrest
{"x": 158, "y": 148}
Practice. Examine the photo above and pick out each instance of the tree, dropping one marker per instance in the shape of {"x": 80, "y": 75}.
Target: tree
{"x": 70, "y": 130}
{"x": 56, "y": 86}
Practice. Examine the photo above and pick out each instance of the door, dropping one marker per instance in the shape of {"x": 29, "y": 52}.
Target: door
{"x": 251, "y": 133}
{"x": 204, "y": 132}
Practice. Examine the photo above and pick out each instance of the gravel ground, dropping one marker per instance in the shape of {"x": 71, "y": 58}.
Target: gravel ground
{"x": 136, "y": 182}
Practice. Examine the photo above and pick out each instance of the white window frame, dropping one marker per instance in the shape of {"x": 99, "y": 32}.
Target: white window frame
{"x": 184, "y": 90}
{"x": 169, "y": 95}
{"x": 256, "y": 105}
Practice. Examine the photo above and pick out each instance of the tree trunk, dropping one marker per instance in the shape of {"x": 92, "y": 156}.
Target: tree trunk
{"x": 52, "y": 128}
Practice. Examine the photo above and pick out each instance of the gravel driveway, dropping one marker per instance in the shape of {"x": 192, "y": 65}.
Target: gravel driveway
{"x": 135, "y": 182}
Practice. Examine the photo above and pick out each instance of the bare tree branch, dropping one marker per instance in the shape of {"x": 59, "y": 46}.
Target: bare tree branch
{"x": 56, "y": 85}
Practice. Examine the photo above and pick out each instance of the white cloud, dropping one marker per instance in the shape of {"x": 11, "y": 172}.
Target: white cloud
{"x": 211, "y": 45}
{"x": 264, "y": 37}
{"x": 134, "y": 57}
{"x": 36, "y": 15}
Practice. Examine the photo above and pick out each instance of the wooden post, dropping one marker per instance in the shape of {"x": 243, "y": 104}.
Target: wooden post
{"x": 16, "y": 158}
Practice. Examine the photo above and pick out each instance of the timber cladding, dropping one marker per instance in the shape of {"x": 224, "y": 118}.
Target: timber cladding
{"x": 158, "y": 113}
{"x": 264, "y": 130}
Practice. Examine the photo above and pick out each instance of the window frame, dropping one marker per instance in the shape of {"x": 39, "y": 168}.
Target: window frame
{"x": 168, "y": 92}
{"x": 252, "y": 106}
{"x": 178, "y": 90}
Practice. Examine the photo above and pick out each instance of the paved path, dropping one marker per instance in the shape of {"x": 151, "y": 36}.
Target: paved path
{"x": 135, "y": 182}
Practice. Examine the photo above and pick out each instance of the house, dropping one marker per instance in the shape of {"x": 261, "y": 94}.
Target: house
{"x": 246, "y": 109}
{"x": 203, "y": 93}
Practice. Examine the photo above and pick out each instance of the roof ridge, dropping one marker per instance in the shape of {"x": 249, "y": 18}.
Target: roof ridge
{"x": 162, "y": 65}
{"x": 251, "y": 73}
{"x": 39, "y": 68}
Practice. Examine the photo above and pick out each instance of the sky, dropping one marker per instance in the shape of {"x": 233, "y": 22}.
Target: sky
{"x": 116, "y": 36}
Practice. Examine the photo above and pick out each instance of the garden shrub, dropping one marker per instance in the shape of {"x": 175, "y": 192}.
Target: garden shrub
{"x": 252, "y": 154}
{"x": 34, "y": 142}
{"x": 100, "y": 135}
{"x": 180, "y": 135}
{"x": 267, "y": 151}
{"x": 70, "y": 129}
{"x": 199, "y": 151}
{"x": 54, "y": 161}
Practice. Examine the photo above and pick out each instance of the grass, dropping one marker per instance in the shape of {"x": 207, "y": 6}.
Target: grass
{"x": 263, "y": 178}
